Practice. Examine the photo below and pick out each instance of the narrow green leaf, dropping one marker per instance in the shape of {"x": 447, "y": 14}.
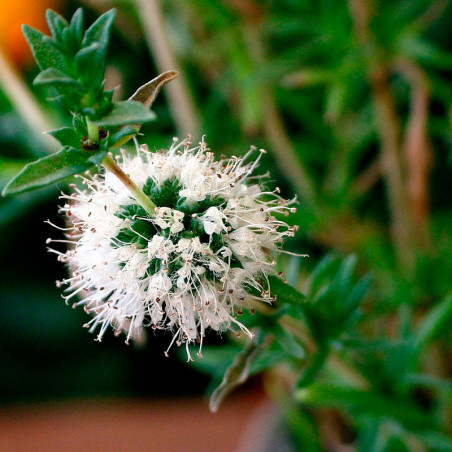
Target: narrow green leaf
{"x": 69, "y": 41}
{"x": 100, "y": 30}
{"x": 56, "y": 24}
{"x": 76, "y": 26}
{"x": 288, "y": 343}
{"x": 67, "y": 162}
{"x": 79, "y": 125}
{"x": 302, "y": 426}
{"x": 126, "y": 112}
{"x": 434, "y": 323}
{"x": 436, "y": 440}
{"x": 123, "y": 135}
{"x": 268, "y": 357}
{"x": 285, "y": 293}
{"x": 45, "y": 53}
{"x": 52, "y": 76}
{"x": 345, "y": 274}
{"x": 90, "y": 64}
{"x": 371, "y": 403}
{"x": 357, "y": 293}
{"x": 67, "y": 136}
{"x": 321, "y": 272}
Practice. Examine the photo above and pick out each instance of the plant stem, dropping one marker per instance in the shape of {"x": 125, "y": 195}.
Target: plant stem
{"x": 136, "y": 191}
{"x": 182, "y": 105}
{"x": 110, "y": 165}
{"x": 272, "y": 122}
{"x": 389, "y": 131}
{"x": 93, "y": 131}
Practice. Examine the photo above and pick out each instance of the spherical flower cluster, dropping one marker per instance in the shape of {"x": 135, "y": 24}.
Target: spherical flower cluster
{"x": 188, "y": 267}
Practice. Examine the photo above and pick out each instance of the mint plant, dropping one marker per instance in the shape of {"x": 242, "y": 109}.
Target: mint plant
{"x": 177, "y": 239}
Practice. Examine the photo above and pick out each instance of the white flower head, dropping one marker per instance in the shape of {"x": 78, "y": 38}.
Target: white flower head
{"x": 188, "y": 267}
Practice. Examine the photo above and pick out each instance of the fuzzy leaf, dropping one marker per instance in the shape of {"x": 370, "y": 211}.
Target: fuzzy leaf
{"x": 126, "y": 112}
{"x": 52, "y": 76}
{"x": 45, "y": 53}
{"x": 76, "y": 26}
{"x": 90, "y": 63}
{"x": 99, "y": 32}
{"x": 56, "y": 23}
{"x": 67, "y": 136}
{"x": 67, "y": 162}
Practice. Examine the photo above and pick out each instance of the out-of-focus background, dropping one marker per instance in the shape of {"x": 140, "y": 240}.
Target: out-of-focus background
{"x": 352, "y": 99}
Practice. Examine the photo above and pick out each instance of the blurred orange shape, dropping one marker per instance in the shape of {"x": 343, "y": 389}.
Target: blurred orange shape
{"x": 14, "y": 13}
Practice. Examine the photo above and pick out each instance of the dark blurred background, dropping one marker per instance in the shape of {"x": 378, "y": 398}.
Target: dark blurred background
{"x": 352, "y": 99}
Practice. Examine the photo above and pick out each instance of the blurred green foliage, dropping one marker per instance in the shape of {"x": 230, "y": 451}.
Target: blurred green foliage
{"x": 352, "y": 99}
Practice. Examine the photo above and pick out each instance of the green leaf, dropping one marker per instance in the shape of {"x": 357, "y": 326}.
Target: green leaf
{"x": 268, "y": 357}
{"x": 99, "y": 32}
{"x": 370, "y": 403}
{"x": 301, "y": 424}
{"x": 237, "y": 373}
{"x": 126, "y": 112}
{"x": 45, "y": 53}
{"x": 90, "y": 64}
{"x": 67, "y": 136}
{"x": 358, "y": 292}
{"x": 123, "y": 135}
{"x": 345, "y": 274}
{"x": 285, "y": 293}
{"x": 288, "y": 342}
{"x": 323, "y": 270}
{"x": 56, "y": 23}
{"x": 76, "y": 26}
{"x": 333, "y": 298}
{"x": 52, "y": 76}
{"x": 67, "y": 162}
{"x": 436, "y": 440}
{"x": 433, "y": 325}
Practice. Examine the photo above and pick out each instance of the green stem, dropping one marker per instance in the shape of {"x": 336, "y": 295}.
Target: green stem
{"x": 110, "y": 165}
{"x": 93, "y": 130}
{"x": 136, "y": 191}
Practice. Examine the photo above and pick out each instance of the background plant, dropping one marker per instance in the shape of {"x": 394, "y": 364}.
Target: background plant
{"x": 352, "y": 98}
